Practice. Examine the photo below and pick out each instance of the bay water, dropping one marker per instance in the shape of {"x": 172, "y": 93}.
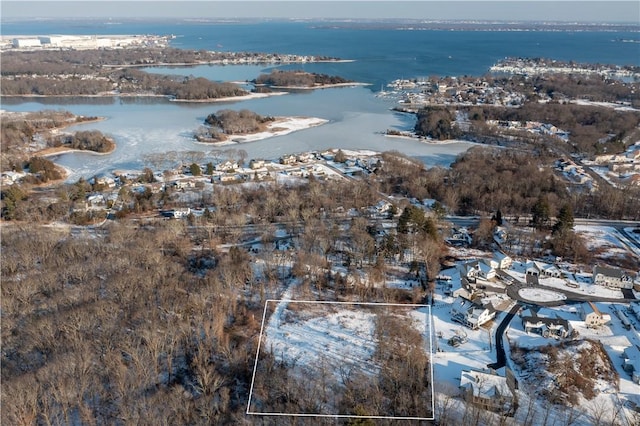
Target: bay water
{"x": 356, "y": 117}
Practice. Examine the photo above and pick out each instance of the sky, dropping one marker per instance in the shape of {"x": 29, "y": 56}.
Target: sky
{"x": 520, "y": 10}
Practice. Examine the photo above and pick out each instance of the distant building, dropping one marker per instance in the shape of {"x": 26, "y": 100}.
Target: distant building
{"x": 611, "y": 277}
{"x": 288, "y": 159}
{"x": 256, "y": 164}
{"x": 176, "y": 213}
{"x": 26, "y": 42}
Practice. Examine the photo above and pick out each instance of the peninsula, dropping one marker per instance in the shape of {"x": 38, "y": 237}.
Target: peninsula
{"x": 108, "y": 72}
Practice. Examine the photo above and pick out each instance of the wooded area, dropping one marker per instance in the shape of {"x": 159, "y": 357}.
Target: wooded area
{"x": 230, "y": 122}
{"x": 133, "y": 324}
{"x": 281, "y": 78}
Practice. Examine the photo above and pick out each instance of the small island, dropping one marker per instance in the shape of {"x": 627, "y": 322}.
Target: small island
{"x": 229, "y": 126}
{"x": 301, "y": 80}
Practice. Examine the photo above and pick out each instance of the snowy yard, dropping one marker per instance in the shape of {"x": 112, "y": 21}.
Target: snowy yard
{"x": 324, "y": 348}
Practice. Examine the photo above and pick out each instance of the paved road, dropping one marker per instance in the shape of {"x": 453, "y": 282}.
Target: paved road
{"x": 501, "y": 357}
{"x": 571, "y": 297}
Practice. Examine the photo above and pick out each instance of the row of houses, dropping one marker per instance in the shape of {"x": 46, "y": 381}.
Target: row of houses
{"x": 532, "y": 127}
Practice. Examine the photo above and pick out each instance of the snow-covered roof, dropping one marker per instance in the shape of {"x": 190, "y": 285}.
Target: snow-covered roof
{"x": 609, "y": 272}
{"x": 484, "y": 385}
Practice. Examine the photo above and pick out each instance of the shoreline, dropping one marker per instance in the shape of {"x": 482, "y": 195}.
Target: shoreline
{"x": 430, "y": 141}
{"x": 224, "y": 62}
{"x": 280, "y": 127}
{"x": 246, "y": 97}
{"x": 322, "y": 86}
{"x": 59, "y": 150}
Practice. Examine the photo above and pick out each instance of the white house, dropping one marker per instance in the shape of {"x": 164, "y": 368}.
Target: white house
{"x": 503, "y": 261}
{"x": 454, "y": 285}
{"x": 611, "y": 277}
{"x": 592, "y": 316}
{"x": 483, "y": 268}
{"x": 471, "y": 314}
{"x": 227, "y": 166}
{"x": 486, "y": 270}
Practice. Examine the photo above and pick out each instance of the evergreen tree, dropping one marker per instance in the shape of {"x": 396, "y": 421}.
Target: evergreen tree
{"x": 540, "y": 212}
{"x": 195, "y": 169}
{"x": 497, "y": 218}
{"x": 565, "y": 220}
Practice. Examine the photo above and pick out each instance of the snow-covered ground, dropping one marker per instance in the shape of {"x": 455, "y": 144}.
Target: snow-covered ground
{"x": 606, "y": 241}
{"x": 282, "y": 126}
{"x": 614, "y": 339}
{"x": 540, "y": 295}
{"x": 449, "y": 361}
{"x": 616, "y": 106}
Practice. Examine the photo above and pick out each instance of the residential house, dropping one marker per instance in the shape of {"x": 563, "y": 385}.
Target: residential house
{"x": 288, "y": 159}
{"x": 537, "y": 321}
{"x": 95, "y": 199}
{"x": 227, "y": 166}
{"x": 103, "y": 179}
{"x": 483, "y": 268}
{"x": 592, "y": 316}
{"x": 470, "y": 313}
{"x": 486, "y": 270}
{"x": 631, "y": 363}
{"x": 306, "y": 157}
{"x": 541, "y": 269}
{"x": 10, "y": 177}
{"x": 176, "y": 213}
{"x": 453, "y": 284}
{"x": 184, "y": 183}
{"x": 503, "y": 261}
{"x": 256, "y": 164}
{"x": 229, "y": 177}
{"x": 459, "y": 236}
{"x": 611, "y": 277}
{"x": 489, "y": 391}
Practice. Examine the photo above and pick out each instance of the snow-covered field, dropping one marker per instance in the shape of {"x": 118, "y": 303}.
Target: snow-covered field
{"x": 607, "y": 242}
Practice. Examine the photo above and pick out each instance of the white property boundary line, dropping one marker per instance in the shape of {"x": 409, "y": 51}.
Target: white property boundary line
{"x": 255, "y": 366}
